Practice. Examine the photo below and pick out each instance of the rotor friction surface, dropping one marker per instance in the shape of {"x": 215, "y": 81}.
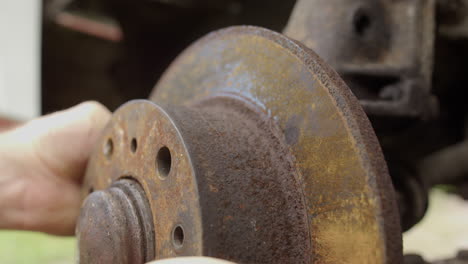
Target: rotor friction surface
{"x": 349, "y": 197}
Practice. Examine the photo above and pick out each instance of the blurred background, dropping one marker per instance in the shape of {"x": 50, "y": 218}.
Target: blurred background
{"x": 20, "y": 28}
{"x": 57, "y": 53}
{"x": 20, "y": 99}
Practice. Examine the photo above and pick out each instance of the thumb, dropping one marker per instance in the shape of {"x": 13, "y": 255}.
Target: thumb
{"x": 63, "y": 141}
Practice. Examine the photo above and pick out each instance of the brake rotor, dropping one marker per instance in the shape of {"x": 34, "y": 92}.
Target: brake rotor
{"x": 252, "y": 150}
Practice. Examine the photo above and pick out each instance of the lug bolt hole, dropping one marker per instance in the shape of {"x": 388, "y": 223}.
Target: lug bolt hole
{"x": 163, "y": 162}
{"x": 108, "y": 148}
{"x": 134, "y": 145}
{"x": 178, "y": 236}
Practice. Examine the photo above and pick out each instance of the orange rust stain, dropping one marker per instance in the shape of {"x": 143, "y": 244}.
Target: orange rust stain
{"x": 338, "y": 185}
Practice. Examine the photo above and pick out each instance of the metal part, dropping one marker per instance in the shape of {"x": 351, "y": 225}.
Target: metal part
{"x": 396, "y": 71}
{"x": 256, "y": 152}
{"x": 388, "y": 66}
{"x": 414, "y": 259}
{"x": 451, "y": 12}
{"x": 446, "y": 166}
{"x": 452, "y": 16}
{"x": 461, "y": 258}
{"x": 412, "y": 193}
{"x": 115, "y": 225}
{"x": 404, "y": 60}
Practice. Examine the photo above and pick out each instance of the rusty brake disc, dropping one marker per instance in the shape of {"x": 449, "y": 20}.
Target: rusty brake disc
{"x": 252, "y": 150}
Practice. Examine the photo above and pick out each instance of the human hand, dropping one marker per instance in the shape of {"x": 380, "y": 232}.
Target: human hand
{"x": 41, "y": 167}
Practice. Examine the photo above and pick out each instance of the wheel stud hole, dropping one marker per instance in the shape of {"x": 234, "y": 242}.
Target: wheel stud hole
{"x": 108, "y": 148}
{"x": 163, "y": 162}
{"x": 178, "y": 236}
{"x": 134, "y": 145}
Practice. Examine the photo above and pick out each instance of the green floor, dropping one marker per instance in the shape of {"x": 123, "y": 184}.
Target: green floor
{"x": 18, "y": 247}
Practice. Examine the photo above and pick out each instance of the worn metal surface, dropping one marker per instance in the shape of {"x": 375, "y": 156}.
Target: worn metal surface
{"x": 225, "y": 186}
{"x": 451, "y": 12}
{"x": 387, "y": 65}
{"x": 261, "y": 156}
{"x": 256, "y": 152}
{"x": 461, "y": 258}
{"x": 412, "y": 195}
{"x": 115, "y": 226}
{"x": 386, "y": 51}
{"x": 383, "y": 49}
{"x": 348, "y": 196}
{"x": 452, "y": 18}
{"x": 447, "y": 166}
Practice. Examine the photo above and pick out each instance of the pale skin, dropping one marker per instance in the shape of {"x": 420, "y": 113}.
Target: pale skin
{"x": 42, "y": 164}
